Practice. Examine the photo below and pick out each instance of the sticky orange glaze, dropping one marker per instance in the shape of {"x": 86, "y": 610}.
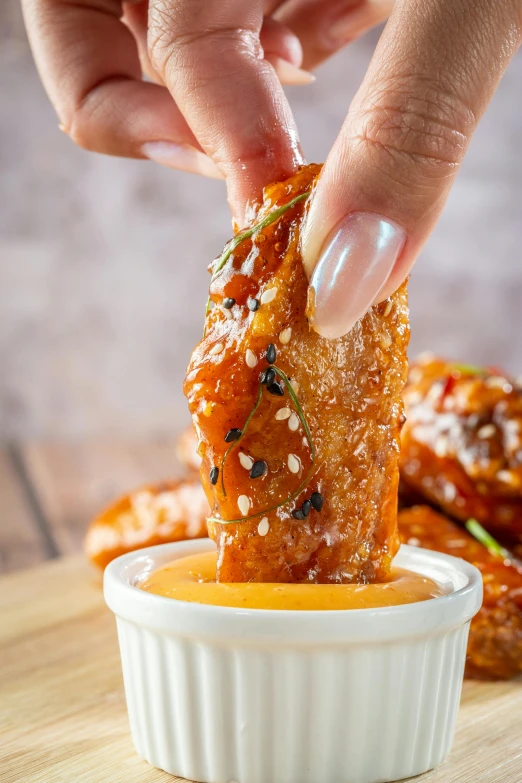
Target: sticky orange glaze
{"x": 193, "y": 579}
{"x": 461, "y": 445}
{"x": 349, "y": 392}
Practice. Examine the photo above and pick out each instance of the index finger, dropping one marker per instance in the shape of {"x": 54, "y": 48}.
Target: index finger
{"x": 210, "y": 57}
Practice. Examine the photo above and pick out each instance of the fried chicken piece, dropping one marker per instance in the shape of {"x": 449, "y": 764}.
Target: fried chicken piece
{"x": 495, "y": 639}
{"x": 154, "y": 514}
{"x": 187, "y": 449}
{"x": 462, "y": 443}
{"x": 327, "y": 517}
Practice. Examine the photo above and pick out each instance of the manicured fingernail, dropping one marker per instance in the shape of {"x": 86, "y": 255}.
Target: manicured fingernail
{"x": 356, "y": 260}
{"x": 181, "y": 156}
{"x": 288, "y": 73}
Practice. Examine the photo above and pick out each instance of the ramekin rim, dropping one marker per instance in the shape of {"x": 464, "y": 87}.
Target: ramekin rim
{"x": 458, "y": 606}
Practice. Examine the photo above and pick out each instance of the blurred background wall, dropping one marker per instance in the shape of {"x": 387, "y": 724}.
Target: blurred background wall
{"x": 103, "y": 261}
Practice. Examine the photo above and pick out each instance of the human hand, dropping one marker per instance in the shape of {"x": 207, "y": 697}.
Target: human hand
{"x": 214, "y": 68}
{"x": 389, "y": 173}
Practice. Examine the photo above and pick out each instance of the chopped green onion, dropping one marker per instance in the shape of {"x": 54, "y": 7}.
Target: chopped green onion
{"x": 268, "y": 220}
{"x": 470, "y": 369}
{"x": 486, "y": 539}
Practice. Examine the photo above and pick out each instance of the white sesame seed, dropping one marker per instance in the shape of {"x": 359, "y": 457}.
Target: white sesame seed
{"x": 217, "y": 348}
{"x": 413, "y": 541}
{"x": 250, "y": 358}
{"x": 385, "y": 341}
{"x": 282, "y": 414}
{"x": 245, "y": 460}
{"x": 263, "y": 527}
{"x": 224, "y": 311}
{"x": 486, "y": 431}
{"x": 295, "y": 386}
{"x": 449, "y": 492}
{"x": 415, "y": 375}
{"x": 269, "y": 295}
{"x": 293, "y": 422}
{"x": 508, "y": 477}
{"x": 496, "y": 382}
{"x": 243, "y": 503}
{"x": 387, "y": 309}
{"x": 441, "y": 446}
{"x": 285, "y": 336}
{"x": 293, "y": 463}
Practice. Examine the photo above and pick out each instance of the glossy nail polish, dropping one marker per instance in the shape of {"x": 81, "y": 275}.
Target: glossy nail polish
{"x": 355, "y": 262}
{"x": 181, "y": 156}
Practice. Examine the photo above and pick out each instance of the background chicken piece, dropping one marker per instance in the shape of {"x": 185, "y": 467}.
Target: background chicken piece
{"x": 495, "y": 640}
{"x": 462, "y": 443}
{"x": 187, "y": 449}
{"x": 154, "y": 514}
{"x": 327, "y": 514}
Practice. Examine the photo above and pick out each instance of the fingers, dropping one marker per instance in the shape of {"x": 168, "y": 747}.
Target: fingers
{"x": 89, "y": 65}
{"x": 210, "y": 57}
{"x": 388, "y": 175}
{"x": 284, "y": 52}
{"x": 324, "y": 28}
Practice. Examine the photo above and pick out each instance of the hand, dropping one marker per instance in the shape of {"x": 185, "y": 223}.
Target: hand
{"x": 214, "y": 68}
{"x": 389, "y": 173}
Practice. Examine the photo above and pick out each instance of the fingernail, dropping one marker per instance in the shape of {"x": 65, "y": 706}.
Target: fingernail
{"x": 288, "y": 73}
{"x": 181, "y": 156}
{"x": 355, "y": 263}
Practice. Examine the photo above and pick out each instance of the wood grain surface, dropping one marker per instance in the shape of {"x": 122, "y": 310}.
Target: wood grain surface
{"x": 22, "y": 542}
{"x": 73, "y": 481}
{"x": 50, "y": 490}
{"x": 62, "y": 707}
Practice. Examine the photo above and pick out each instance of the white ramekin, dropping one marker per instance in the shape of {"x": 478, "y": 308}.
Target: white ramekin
{"x": 217, "y": 694}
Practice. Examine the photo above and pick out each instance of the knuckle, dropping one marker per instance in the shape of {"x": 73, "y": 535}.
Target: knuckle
{"x": 170, "y": 41}
{"x": 426, "y": 131}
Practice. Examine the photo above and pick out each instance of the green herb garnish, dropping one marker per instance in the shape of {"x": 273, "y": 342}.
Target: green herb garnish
{"x": 306, "y": 428}
{"x": 249, "y": 232}
{"x": 470, "y": 369}
{"x": 486, "y": 539}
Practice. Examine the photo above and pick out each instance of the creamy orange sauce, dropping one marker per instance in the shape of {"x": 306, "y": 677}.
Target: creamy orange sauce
{"x": 193, "y": 578}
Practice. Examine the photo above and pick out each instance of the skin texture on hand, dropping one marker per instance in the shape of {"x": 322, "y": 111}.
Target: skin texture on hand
{"x": 433, "y": 73}
{"x": 215, "y": 106}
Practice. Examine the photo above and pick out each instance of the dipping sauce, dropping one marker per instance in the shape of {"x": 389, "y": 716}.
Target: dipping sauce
{"x": 193, "y": 578}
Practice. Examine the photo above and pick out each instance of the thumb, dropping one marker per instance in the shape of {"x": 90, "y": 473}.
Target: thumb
{"x": 389, "y": 173}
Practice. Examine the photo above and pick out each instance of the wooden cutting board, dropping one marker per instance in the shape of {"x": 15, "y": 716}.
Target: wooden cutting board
{"x": 62, "y": 707}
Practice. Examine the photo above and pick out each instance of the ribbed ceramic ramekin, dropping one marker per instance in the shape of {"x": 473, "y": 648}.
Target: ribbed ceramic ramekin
{"x": 218, "y": 694}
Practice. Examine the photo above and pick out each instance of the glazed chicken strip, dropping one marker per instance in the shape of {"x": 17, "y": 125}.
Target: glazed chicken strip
{"x": 299, "y": 435}
{"x": 462, "y": 443}
{"x": 495, "y": 639}
{"x": 173, "y": 510}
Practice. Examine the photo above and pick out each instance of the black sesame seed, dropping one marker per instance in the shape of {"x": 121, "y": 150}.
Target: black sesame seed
{"x": 316, "y": 499}
{"x": 233, "y": 435}
{"x": 298, "y": 514}
{"x": 253, "y": 304}
{"x": 305, "y": 508}
{"x": 214, "y": 473}
{"x": 258, "y": 468}
{"x": 271, "y": 354}
{"x": 228, "y": 303}
{"x": 277, "y": 389}
{"x": 268, "y": 377}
